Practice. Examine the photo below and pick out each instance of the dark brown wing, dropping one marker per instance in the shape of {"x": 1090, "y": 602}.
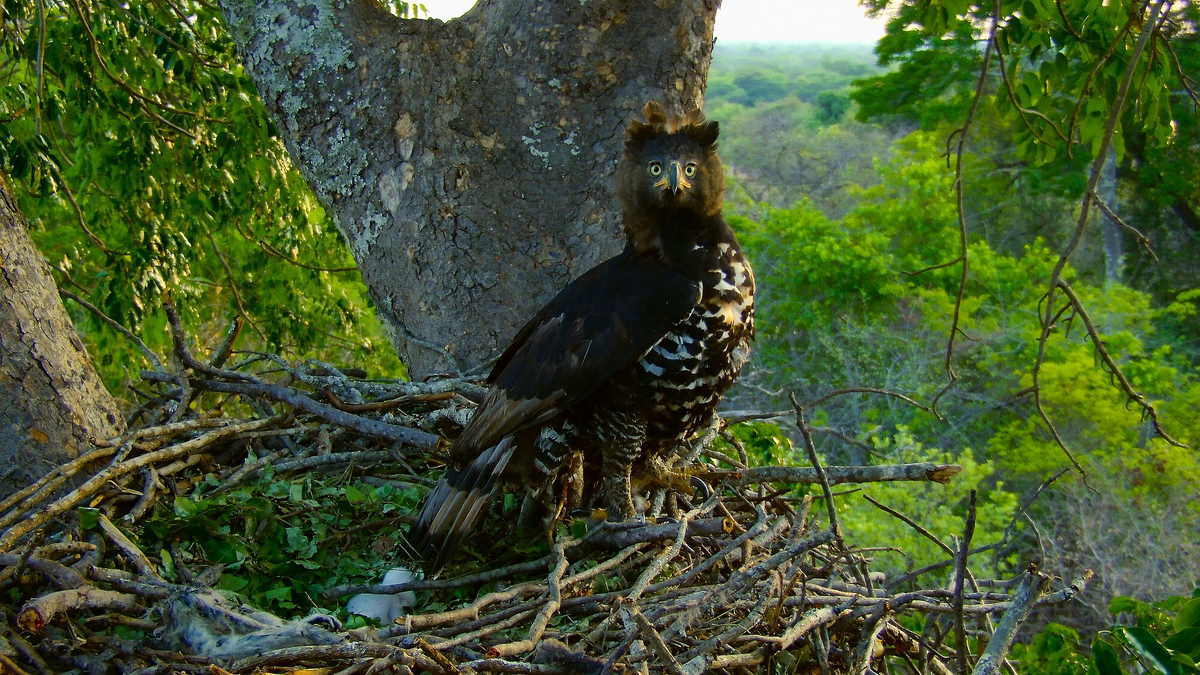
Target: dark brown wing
{"x": 600, "y": 323}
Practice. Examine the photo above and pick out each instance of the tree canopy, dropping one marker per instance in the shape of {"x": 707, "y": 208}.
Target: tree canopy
{"x": 147, "y": 164}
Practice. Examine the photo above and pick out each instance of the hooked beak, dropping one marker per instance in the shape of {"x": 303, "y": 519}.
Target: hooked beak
{"x": 673, "y": 179}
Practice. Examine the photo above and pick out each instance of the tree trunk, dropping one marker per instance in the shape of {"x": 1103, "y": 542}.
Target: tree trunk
{"x": 1113, "y": 244}
{"x": 469, "y": 163}
{"x": 52, "y": 402}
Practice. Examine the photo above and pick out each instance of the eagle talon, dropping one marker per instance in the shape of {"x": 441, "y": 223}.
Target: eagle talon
{"x": 701, "y": 487}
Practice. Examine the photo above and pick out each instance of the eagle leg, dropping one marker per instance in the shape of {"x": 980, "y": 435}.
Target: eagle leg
{"x": 615, "y": 493}
{"x": 622, "y": 435}
{"x": 658, "y": 472}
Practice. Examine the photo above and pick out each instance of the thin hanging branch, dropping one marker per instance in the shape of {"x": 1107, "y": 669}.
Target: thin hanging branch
{"x": 237, "y": 296}
{"x": 1055, "y": 281}
{"x": 963, "y": 256}
{"x": 1116, "y": 220}
{"x": 1109, "y": 364}
{"x": 109, "y": 321}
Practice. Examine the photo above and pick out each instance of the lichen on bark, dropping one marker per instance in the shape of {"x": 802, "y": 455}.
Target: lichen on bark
{"x": 468, "y": 164}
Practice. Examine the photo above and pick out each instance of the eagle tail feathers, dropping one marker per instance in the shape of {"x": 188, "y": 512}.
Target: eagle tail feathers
{"x": 452, "y": 507}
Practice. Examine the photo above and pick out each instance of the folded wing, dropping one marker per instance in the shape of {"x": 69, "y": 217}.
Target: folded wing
{"x": 600, "y": 323}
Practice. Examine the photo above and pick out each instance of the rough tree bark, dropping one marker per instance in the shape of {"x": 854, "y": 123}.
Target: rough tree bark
{"x": 51, "y": 399}
{"x": 468, "y": 163}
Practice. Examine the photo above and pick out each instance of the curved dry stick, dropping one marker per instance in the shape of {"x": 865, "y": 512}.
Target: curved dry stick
{"x": 31, "y": 495}
{"x": 863, "y": 390}
{"x": 647, "y": 630}
{"x": 150, "y": 486}
{"x": 447, "y": 667}
{"x": 748, "y": 576}
{"x": 60, "y": 575}
{"x": 164, "y": 430}
{"x": 740, "y": 628}
{"x": 420, "y": 622}
{"x": 95, "y": 483}
{"x": 872, "y": 627}
{"x": 960, "y": 574}
{"x": 838, "y": 475}
{"x": 130, "y": 549}
{"x": 834, "y": 525}
{"x": 911, "y": 523}
{"x": 335, "y": 652}
{"x": 441, "y": 584}
{"x": 553, "y": 602}
{"x": 660, "y": 561}
{"x": 301, "y": 401}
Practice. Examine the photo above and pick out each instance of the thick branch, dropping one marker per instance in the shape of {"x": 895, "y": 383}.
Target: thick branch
{"x": 1032, "y": 588}
{"x": 925, "y": 471}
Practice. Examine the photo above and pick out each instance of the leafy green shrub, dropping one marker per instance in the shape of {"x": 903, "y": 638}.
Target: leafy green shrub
{"x": 1164, "y": 637}
{"x": 283, "y": 542}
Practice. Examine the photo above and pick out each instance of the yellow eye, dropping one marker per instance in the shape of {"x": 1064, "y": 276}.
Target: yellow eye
{"x": 689, "y": 170}
{"x": 655, "y": 169}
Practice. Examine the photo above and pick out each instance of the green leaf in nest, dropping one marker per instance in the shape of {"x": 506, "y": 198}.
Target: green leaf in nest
{"x": 232, "y": 582}
{"x": 296, "y": 539}
{"x": 88, "y": 518}
{"x": 186, "y": 508}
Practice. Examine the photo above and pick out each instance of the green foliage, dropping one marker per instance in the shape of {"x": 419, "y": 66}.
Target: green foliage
{"x": 839, "y": 306}
{"x": 1061, "y": 63}
{"x": 283, "y": 542}
{"x": 749, "y": 75}
{"x": 759, "y": 86}
{"x": 940, "y": 509}
{"x": 1053, "y": 651}
{"x": 931, "y": 78}
{"x": 816, "y": 272}
{"x": 146, "y": 163}
{"x": 764, "y": 443}
{"x": 792, "y": 138}
{"x": 1054, "y": 72}
{"x": 831, "y": 107}
{"x": 1164, "y": 637}
{"x": 814, "y": 266}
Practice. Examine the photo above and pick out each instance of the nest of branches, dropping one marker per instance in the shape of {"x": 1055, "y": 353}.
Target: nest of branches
{"x": 755, "y": 576}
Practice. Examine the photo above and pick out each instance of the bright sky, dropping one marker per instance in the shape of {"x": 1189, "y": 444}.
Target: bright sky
{"x": 760, "y": 20}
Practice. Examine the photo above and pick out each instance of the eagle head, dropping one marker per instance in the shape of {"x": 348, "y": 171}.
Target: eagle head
{"x": 670, "y": 172}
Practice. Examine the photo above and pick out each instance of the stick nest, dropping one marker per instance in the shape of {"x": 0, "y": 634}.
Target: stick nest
{"x": 756, "y": 576}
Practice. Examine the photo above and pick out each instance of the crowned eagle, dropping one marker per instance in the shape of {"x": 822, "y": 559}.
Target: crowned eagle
{"x": 628, "y": 361}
